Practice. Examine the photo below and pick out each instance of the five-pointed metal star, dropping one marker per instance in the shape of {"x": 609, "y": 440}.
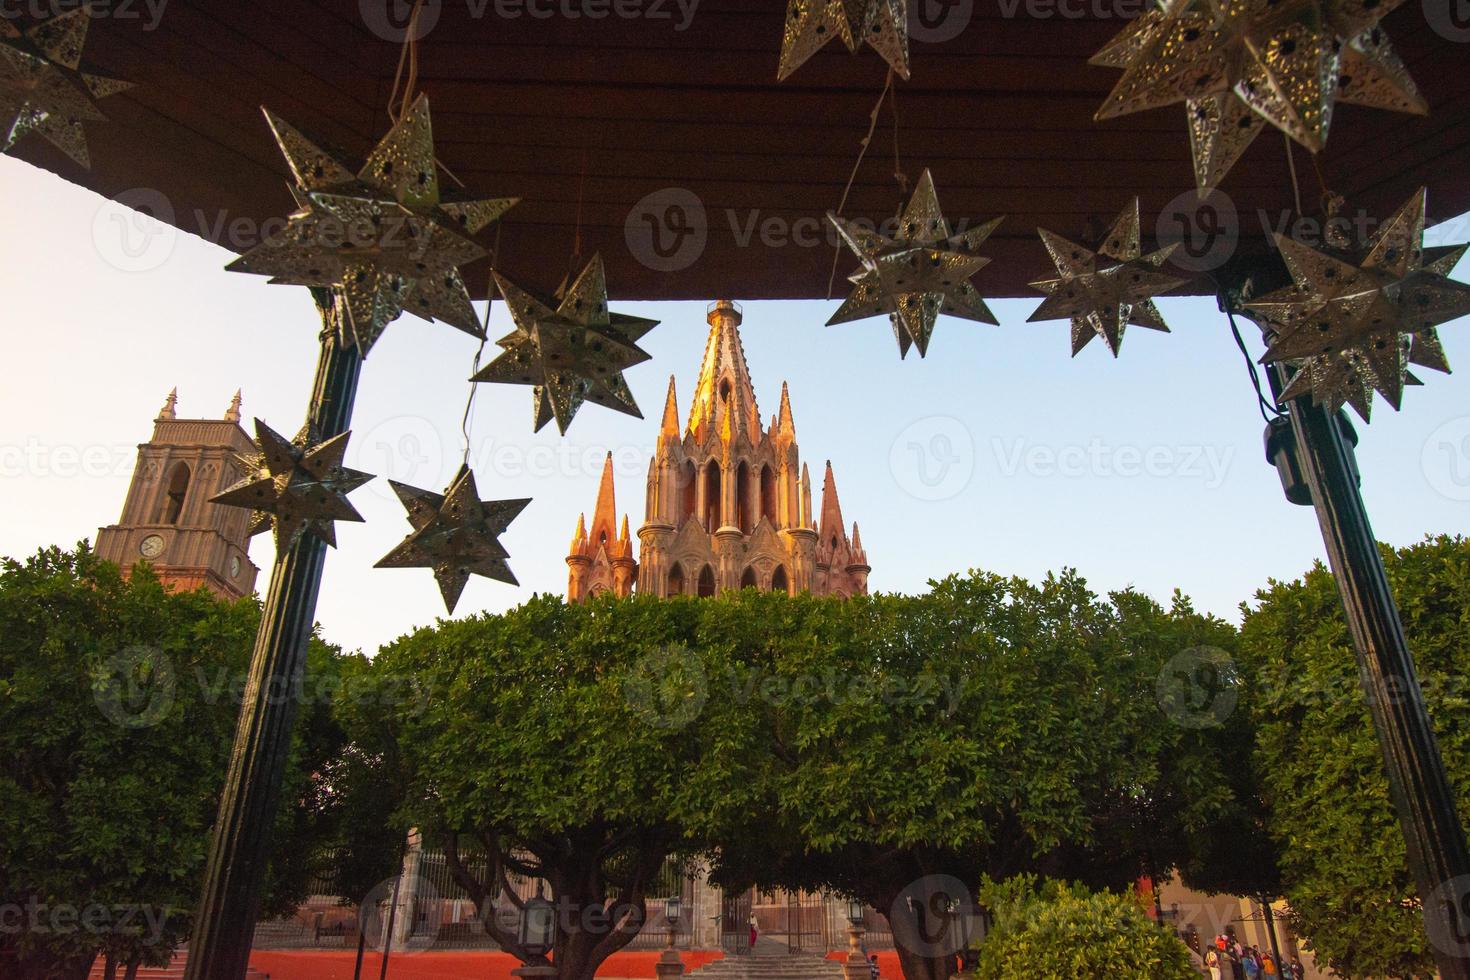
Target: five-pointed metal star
{"x": 922, "y": 271}
{"x": 385, "y": 240}
{"x": 574, "y": 353}
{"x": 1353, "y": 323}
{"x": 1240, "y": 65}
{"x": 456, "y": 534}
{"x": 42, "y": 87}
{"x": 1103, "y": 301}
{"x": 296, "y": 486}
{"x": 810, "y": 24}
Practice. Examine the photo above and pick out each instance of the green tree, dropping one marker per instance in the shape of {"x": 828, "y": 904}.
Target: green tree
{"x": 1343, "y": 861}
{"x": 990, "y": 726}
{"x": 1054, "y": 929}
{"x": 552, "y": 742}
{"x": 118, "y": 701}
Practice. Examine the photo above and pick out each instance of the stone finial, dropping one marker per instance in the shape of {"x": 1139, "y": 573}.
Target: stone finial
{"x": 170, "y": 408}
{"x": 232, "y": 414}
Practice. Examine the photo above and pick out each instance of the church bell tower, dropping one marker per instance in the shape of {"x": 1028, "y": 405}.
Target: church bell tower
{"x": 168, "y": 520}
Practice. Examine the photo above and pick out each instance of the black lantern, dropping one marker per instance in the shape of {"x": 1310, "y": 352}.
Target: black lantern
{"x": 673, "y": 907}
{"x": 537, "y": 933}
{"x": 1281, "y": 452}
{"x": 855, "y": 912}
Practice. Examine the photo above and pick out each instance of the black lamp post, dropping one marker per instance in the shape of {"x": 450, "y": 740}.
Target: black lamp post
{"x": 856, "y": 911}
{"x": 670, "y": 964}
{"x": 537, "y": 932}
{"x": 856, "y": 965}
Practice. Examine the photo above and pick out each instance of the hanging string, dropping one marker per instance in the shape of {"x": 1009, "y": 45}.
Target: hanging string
{"x": 401, "y": 96}
{"x": 898, "y": 174}
{"x": 581, "y": 197}
{"x": 465, "y": 422}
{"x": 862, "y": 151}
{"x": 1296, "y": 189}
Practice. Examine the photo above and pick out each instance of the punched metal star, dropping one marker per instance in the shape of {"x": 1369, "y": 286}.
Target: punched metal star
{"x": 1237, "y": 66}
{"x": 1101, "y": 302}
{"x": 43, "y": 89}
{"x": 920, "y": 272}
{"x": 1353, "y": 323}
{"x": 295, "y": 486}
{"x": 571, "y": 354}
{"x": 456, "y": 534}
{"x": 810, "y": 24}
{"x": 386, "y": 239}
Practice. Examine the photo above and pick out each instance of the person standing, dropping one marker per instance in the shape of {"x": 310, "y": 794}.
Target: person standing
{"x": 754, "y": 931}
{"x": 1212, "y": 962}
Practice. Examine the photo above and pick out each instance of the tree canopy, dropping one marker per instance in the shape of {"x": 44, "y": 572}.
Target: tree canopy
{"x": 118, "y": 703}
{"x": 1343, "y": 862}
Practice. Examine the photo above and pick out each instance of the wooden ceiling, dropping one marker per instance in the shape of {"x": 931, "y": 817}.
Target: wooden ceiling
{"x": 587, "y": 117}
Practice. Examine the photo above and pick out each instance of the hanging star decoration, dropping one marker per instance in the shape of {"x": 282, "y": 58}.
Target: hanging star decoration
{"x": 295, "y": 486}
{"x": 43, "y": 89}
{"x": 1353, "y": 323}
{"x": 810, "y": 24}
{"x": 456, "y": 534}
{"x": 1239, "y": 65}
{"x": 385, "y": 240}
{"x": 922, "y": 271}
{"x": 1102, "y": 302}
{"x": 571, "y": 354}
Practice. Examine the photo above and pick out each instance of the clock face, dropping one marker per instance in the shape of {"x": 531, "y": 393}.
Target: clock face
{"x": 151, "y": 547}
{"x": 235, "y": 566}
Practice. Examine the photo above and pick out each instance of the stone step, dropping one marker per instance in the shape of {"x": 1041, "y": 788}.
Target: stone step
{"x": 174, "y": 971}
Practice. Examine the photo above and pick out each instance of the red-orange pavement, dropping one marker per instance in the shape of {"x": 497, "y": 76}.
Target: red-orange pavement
{"x": 333, "y": 965}
{"x": 888, "y": 967}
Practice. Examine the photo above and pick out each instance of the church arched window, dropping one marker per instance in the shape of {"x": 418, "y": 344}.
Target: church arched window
{"x": 707, "y": 581}
{"x": 712, "y": 496}
{"x": 676, "y": 580}
{"x": 778, "y": 580}
{"x": 178, "y": 489}
{"x": 742, "y": 498}
{"x": 747, "y": 581}
{"x": 768, "y": 494}
{"x": 688, "y": 493}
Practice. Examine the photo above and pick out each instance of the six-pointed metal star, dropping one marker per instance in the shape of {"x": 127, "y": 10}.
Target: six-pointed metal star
{"x": 456, "y": 534}
{"x": 923, "y": 270}
{"x": 1353, "y": 323}
{"x": 571, "y": 354}
{"x": 810, "y": 24}
{"x": 1101, "y": 302}
{"x": 386, "y": 239}
{"x": 42, "y": 87}
{"x": 295, "y": 486}
{"x": 1238, "y": 66}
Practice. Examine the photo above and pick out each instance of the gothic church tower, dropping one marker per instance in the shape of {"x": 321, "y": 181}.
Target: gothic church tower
{"x": 168, "y": 519}
{"x": 729, "y": 504}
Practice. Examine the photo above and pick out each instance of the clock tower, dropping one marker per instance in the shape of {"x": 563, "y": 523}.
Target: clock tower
{"x": 168, "y": 520}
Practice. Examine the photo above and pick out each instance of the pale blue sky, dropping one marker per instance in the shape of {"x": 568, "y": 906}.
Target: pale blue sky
{"x": 998, "y": 451}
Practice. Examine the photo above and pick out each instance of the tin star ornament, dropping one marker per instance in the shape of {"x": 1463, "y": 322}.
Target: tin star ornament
{"x": 296, "y": 486}
{"x": 570, "y": 354}
{"x": 43, "y": 89}
{"x": 456, "y": 534}
{"x": 1353, "y": 323}
{"x": 385, "y": 239}
{"x": 810, "y": 24}
{"x": 1102, "y": 299}
{"x": 1238, "y": 66}
{"x": 922, "y": 271}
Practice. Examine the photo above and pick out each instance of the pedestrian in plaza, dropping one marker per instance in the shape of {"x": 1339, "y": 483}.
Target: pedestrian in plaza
{"x": 754, "y": 931}
{"x": 873, "y": 972}
{"x": 1252, "y": 968}
{"x": 1268, "y": 967}
{"x": 1298, "y": 969}
{"x": 1212, "y": 962}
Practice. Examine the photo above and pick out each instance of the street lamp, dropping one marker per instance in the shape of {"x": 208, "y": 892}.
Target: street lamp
{"x": 537, "y": 932}
{"x": 856, "y": 967}
{"x": 670, "y": 964}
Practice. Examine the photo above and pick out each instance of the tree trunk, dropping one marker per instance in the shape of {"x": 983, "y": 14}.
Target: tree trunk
{"x": 132, "y": 971}
{"x": 916, "y": 966}
{"x": 109, "y": 967}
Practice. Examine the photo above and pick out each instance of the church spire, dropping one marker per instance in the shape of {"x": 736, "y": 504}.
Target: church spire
{"x": 232, "y": 414}
{"x": 670, "y": 427}
{"x": 170, "y": 408}
{"x": 724, "y": 389}
{"x": 785, "y": 425}
{"x": 832, "y": 525}
{"x": 604, "y": 516}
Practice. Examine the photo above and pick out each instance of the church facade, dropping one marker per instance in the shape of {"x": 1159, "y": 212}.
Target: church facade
{"x": 728, "y": 502}
{"x": 169, "y": 520}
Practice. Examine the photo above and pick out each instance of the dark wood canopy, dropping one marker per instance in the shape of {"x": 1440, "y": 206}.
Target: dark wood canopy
{"x": 586, "y": 117}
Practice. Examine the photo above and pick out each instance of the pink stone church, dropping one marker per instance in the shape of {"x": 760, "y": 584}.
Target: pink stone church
{"x": 729, "y": 504}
